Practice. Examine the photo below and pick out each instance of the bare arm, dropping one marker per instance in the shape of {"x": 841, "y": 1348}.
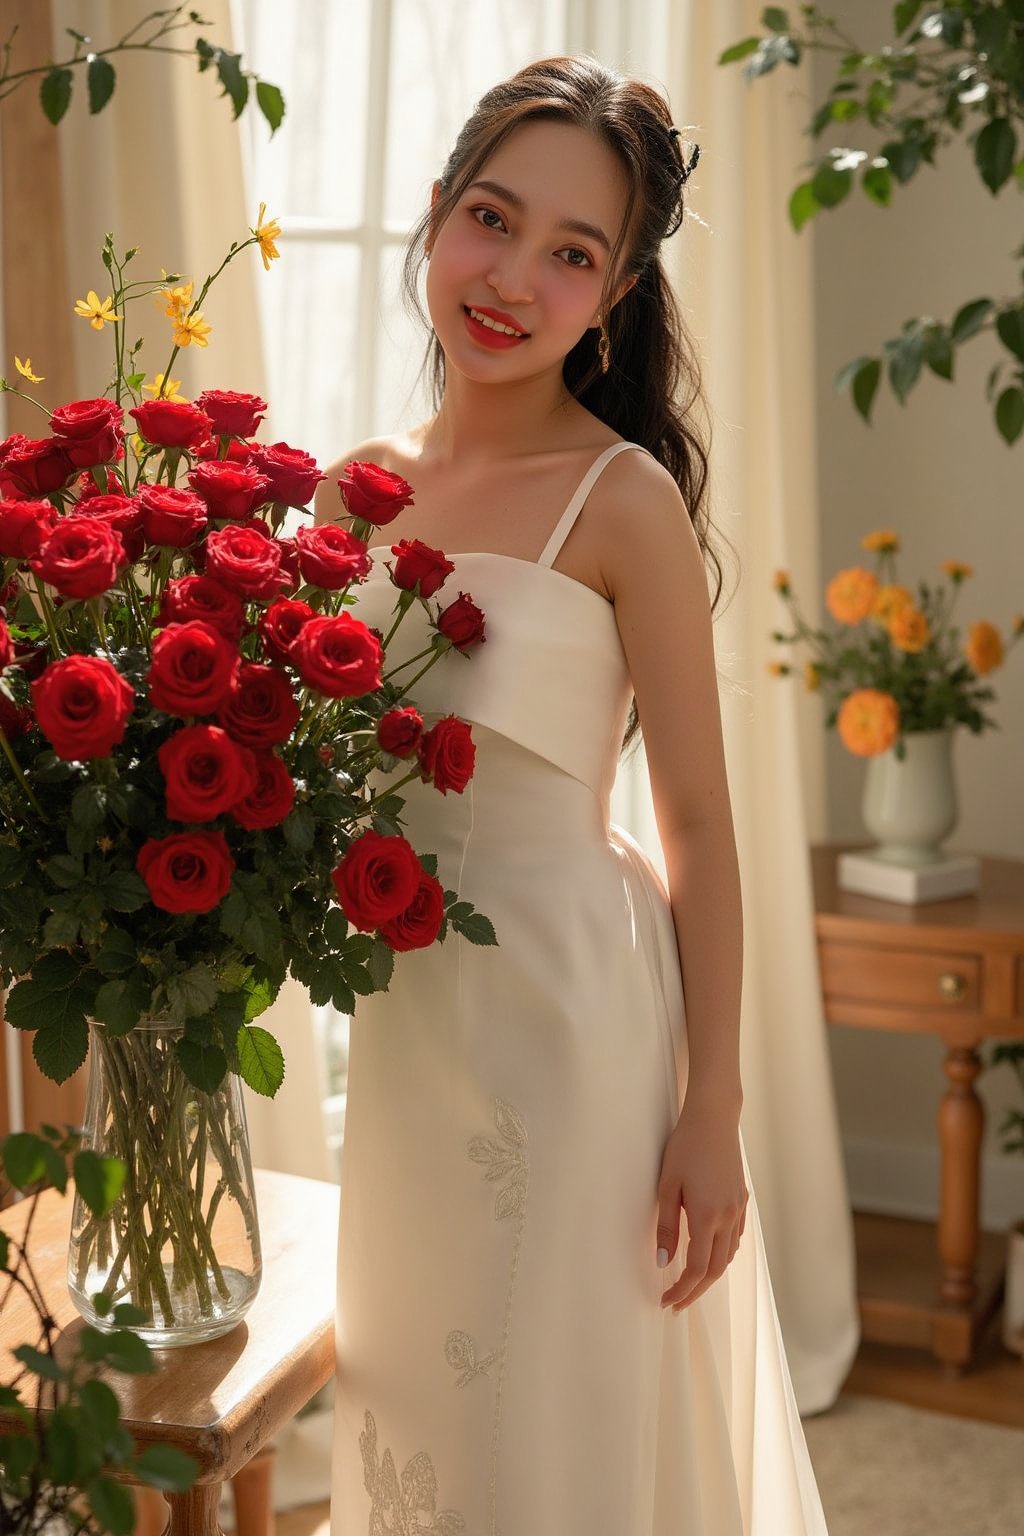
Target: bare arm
{"x": 657, "y": 576}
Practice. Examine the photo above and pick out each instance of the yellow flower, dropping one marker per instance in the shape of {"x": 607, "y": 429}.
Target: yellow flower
{"x": 812, "y": 677}
{"x": 851, "y": 593}
{"x": 883, "y": 540}
{"x": 178, "y": 298}
{"x": 98, "y": 314}
{"x": 778, "y": 668}
{"x": 266, "y": 234}
{"x": 780, "y": 582}
{"x": 160, "y": 391}
{"x": 25, "y": 369}
{"x": 984, "y": 647}
{"x": 909, "y": 629}
{"x": 191, "y": 330}
{"x": 888, "y": 600}
{"x": 868, "y": 721}
{"x": 957, "y": 569}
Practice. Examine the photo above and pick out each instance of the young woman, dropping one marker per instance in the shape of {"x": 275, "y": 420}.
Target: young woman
{"x": 531, "y": 1341}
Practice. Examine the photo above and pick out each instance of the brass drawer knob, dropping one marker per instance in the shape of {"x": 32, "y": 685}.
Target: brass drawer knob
{"x": 952, "y": 986}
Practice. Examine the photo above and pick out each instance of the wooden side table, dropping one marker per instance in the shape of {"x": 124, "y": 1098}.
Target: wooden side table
{"x": 220, "y": 1401}
{"x": 954, "y": 968}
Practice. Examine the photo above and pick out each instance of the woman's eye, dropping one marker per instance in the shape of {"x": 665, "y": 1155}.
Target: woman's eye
{"x": 574, "y": 249}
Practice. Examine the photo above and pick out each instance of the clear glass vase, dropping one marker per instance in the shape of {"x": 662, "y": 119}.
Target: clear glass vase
{"x": 181, "y": 1241}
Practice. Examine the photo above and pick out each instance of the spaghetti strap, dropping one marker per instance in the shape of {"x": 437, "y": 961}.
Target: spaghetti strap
{"x": 569, "y": 516}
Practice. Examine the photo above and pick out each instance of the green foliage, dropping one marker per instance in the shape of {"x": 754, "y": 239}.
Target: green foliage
{"x": 56, "y": 87}
{"x": 963, "y": 67}
{"x": 72, "y": 1441}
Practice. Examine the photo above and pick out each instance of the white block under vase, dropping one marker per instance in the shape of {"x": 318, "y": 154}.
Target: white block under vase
{"x": 871, "y": 872}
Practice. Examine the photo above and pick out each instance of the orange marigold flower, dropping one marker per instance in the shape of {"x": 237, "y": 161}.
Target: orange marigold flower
{"x": 889, "y": 599}
{"x": 851, "y": 593}
{"x": 868, "y": 722}
{"x": 1017, "y": 623}
{"x": 779, "y": 668}
{"x": 958, "y": 569}
{"x": 909, "y": 629}
{"x": 780, "y": 581}
{"x": 984, "y": 646}
{"x": 883, "y": 540}
{"x": 812, "y": 677}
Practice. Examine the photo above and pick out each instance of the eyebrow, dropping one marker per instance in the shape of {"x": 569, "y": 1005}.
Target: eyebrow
{"x": 577, "y": 226}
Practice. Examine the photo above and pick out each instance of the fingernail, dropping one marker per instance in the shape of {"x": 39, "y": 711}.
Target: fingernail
{"x": 662, "y": 1257}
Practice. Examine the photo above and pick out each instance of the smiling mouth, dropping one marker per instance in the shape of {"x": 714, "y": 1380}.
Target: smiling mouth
{"x": 467, "y": 309}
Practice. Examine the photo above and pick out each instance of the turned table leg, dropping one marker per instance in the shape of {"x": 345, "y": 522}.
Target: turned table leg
{"x": 961, "y": 1122}
{"x": 195, "y": 1513}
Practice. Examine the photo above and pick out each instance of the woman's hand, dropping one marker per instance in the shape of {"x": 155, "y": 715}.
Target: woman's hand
{"x": 702, "y": 1171}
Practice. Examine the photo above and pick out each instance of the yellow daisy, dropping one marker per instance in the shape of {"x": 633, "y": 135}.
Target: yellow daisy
{"x": 97, "y": 312}
{"x": 266, "y": 234}
{"x": 25, "y": 369}
{"x": 191, "y": 331}
{"x": 161, "y": 391}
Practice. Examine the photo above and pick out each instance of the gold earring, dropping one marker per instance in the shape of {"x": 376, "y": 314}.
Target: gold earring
{"x": 603, "y": 348}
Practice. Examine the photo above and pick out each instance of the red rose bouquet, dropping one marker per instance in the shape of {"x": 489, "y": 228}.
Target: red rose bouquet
{"x": 189, "y": 715}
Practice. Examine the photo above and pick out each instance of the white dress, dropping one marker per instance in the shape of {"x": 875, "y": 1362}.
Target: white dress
{"x": 503, "y": 1365}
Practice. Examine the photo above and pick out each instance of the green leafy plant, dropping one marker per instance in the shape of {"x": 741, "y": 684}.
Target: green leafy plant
{"x": 57, "y": 84}
{"x": 963, "y": 62}
{"x": 1011, "y": 1128}
{"x": 62, "y": 1457}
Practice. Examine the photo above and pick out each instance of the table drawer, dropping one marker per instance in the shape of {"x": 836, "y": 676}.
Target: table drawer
{"x": 901, "y": 978}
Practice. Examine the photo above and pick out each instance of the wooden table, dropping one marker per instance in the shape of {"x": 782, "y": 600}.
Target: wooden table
{"x": 954, "y": 968}
{"x": 223, "y": 1400}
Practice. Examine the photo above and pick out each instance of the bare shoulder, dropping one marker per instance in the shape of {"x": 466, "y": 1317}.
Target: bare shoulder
{"x": 640, "y": 520}
{"x": 328, "y": 506}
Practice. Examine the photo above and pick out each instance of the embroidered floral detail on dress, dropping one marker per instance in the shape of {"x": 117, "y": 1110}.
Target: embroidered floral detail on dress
{"x": 460, "y": 1352}
{"x": 505, "y": 1159}
{"x": 405, "y": 1507}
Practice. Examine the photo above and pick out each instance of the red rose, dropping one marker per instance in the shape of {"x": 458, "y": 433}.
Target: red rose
{"x": 89, "y": 431}
{"x": 170, "y": 423}
{"x": 272, "y": 798}
{"x": 290, "y": 575}
{"x": 82, "y": 704}
{"x": 462, "y": 622}
{"x": 376, "y": 879}
{"x": 172, "y": 518}
{"x": 237, "y": 451}
{"x": 187, "y": 871}
{"x": 24, "y": 525}
{"x": 6, "y": 646}
{"x": 330, "y": 556}
{"x": 338, "y": 656}
{"x": 81, "y": 557}
{"x": 200, "y": 597}
{"x": 259, "y": 708}
{"x": 205, "y": 771}
{"x": 31, "y": 658}
{"x": 192, "y": 668}
{"x": 246, "y": 559}
{"x": 399, "y": 731}
{"x": 85, "y": 486}
{"x": 34, "y": 467}
{"x": 417, "y": 562}
{"x": 373, "y": 493}
{"x": 280, "y": 623}
{"x": 418, "y": 926}
{"x": 15, "y": 719}
{"x": 232, "y": 414}
{"x": 123, "y": 514}
{"x": 447, "y": 754}
{"x": 293, "y": 474}
{"x": 232, "y": 492}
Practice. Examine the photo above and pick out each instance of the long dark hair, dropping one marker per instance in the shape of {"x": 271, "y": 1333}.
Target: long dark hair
{"x": 654, "y": 376}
